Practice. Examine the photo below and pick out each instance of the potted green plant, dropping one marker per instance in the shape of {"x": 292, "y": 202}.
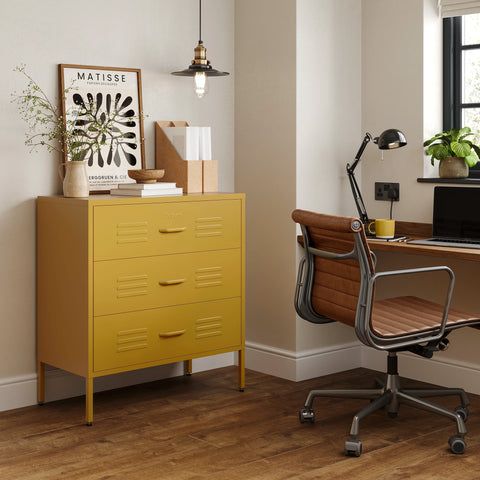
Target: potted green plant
{"x": 455, "y": 152}
{"x": 74, "y": 135}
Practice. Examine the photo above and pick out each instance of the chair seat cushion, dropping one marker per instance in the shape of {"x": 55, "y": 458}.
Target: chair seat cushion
{"x": 397, "y": 316}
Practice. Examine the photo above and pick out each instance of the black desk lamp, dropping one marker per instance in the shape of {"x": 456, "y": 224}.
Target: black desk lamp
{"x": 389, "y": 139}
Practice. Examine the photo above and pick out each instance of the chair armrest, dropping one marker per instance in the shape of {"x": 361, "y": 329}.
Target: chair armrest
{"x": 401, "y": 342}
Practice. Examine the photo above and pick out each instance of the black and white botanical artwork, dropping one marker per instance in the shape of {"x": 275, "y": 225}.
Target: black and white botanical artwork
{"x": 112, "y": 122}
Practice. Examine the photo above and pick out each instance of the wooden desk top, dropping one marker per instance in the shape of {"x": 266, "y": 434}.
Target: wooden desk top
{"x": 417, "y": 231}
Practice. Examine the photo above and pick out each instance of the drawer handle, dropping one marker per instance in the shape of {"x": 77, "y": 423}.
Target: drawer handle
{"x": 172, "y": 334}
{"x": 172, "y": 229}
{"x": 171, "y": 282}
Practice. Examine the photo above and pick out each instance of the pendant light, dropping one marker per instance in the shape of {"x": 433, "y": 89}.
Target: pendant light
{"x": 200, "y": 68}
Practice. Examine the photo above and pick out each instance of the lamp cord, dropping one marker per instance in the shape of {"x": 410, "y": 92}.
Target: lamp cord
{"x": 200, "y": 22}
{"x": 391, "y": 208}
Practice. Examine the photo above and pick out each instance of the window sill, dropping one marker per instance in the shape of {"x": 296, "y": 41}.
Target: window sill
{"x": 461, "y": 181}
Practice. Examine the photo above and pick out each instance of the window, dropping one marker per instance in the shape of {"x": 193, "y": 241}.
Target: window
{"x": 461, "y": 75}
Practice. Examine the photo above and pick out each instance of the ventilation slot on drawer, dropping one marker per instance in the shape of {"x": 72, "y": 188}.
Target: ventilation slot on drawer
{"x": 135, "y": 232}
{"x": 132, "y": 286}
{"x": 209, "y": 227}
{"x": 209, "y": 277}
{"x": 208, "y": 327}
{"x": 131, "y": 340}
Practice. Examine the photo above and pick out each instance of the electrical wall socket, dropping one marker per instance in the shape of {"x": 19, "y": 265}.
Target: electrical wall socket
{"x": 387, "y": 191}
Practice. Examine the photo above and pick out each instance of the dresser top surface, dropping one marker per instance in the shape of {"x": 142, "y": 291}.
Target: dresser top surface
{"x": 94, "y": 200}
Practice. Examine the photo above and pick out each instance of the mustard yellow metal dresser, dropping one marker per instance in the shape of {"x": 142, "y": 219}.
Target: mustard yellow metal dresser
{"x": 127, "y": 283}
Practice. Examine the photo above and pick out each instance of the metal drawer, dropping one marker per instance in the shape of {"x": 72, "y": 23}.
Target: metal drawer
{"x": 170, "y": 333}
{"x": 151, "y": 282}
{"x": 126, "y": 231}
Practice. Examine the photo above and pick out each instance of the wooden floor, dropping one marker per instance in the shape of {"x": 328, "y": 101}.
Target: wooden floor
{"x": 201, "y": 427}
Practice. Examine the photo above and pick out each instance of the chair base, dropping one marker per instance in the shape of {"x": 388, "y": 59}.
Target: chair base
{"x": 390, "y": 395}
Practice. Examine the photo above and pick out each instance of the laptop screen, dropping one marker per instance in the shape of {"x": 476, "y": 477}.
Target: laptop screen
{"x": 456, "y": 213}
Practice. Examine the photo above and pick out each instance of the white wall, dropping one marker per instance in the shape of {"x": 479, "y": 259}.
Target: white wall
{"x": 329, "y": 102}
{"x": 432, "y": 79}
{"x": 311, "y": 76}
{"x": 297, "y": 123}
{"x": 346, "y": 84}
{"x": 407, "y": 94}
{"x": 392, "y": 94}
{"x": 157, "y": 36}
{"x": 265, "y": 163}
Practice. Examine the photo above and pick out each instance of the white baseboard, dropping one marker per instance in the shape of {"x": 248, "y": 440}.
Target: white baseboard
{"x": 298, "y": 366}
{"x": 21, "y": 391}
{"x": 272, "y": 361}
{"x": 215, "y": 361}
{"x": 17, "y": 392}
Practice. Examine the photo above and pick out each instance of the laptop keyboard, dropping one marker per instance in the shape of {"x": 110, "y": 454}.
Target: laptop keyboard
{"x": 456, "y": 240}
{"x": 442, "y": 242}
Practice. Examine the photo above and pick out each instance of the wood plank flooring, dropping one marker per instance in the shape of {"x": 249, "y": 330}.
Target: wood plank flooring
{"x": 201, "y": 427}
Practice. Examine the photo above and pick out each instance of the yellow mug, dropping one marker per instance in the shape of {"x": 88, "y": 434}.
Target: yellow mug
{"x": 384, "y": 228}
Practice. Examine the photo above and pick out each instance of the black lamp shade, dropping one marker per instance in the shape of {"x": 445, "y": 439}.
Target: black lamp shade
{"x": 391, "y": 138}
{"x": 193, "y": 69}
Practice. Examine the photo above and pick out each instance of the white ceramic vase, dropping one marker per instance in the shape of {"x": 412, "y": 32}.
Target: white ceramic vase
{"x": 75, "y": 182}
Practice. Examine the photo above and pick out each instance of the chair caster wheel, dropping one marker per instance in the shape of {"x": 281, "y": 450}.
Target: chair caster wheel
{"x": 353, "y": 447}
{"x": 89, "y": 424}
{"x": 457, "y": 444}
{"x": 306, "y": 415}
{"x": 463, "y": 412}
{"x": 393, "y": 414}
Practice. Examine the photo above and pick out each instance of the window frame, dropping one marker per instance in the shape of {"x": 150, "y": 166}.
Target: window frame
{"x": 453, "y": 105}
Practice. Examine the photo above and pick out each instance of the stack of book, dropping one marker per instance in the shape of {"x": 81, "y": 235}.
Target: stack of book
{"x": 158, "y": 189}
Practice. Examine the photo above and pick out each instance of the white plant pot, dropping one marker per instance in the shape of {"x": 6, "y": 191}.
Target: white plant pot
{"x": 75, "y": 183}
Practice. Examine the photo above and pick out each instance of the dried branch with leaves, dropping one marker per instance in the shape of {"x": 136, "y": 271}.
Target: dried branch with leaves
{"x": 79, "y": 133}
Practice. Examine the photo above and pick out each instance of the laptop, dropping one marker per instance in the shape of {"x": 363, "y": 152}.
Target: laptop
{"x": 456, "y": 218}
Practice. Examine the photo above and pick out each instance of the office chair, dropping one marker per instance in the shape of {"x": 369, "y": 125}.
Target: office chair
{"x": 336, "y": 282}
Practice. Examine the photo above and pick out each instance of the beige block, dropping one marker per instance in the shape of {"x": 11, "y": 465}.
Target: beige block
{"x": 210, "y": 176}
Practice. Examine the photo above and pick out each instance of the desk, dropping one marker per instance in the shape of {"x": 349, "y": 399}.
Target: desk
{"x": 417, "y": 231}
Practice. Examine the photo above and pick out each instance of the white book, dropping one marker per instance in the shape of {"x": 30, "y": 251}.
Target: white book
{"x": 205, "y": 143}
{"x": 132, "y": 192}
{"x": 186, "y": 141}
{"x": 147, "y": 186}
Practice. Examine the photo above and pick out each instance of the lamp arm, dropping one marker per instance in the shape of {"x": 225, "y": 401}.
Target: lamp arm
{"x": 368, "y": 138}
{"x": 357, "y": 196}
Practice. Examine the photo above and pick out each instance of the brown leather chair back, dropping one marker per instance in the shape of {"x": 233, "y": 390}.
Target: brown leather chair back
{"x": 336, "y": 283}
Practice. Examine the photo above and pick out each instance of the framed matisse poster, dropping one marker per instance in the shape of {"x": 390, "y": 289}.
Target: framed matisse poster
{"x": 102, "y": 110}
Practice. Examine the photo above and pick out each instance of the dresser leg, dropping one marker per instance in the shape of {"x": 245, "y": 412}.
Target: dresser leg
{"x": 89, "y": 401}
{"x": 41, "y": 383}
{"x": 241, "y": 370}
{"x": 187, "y": 367}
